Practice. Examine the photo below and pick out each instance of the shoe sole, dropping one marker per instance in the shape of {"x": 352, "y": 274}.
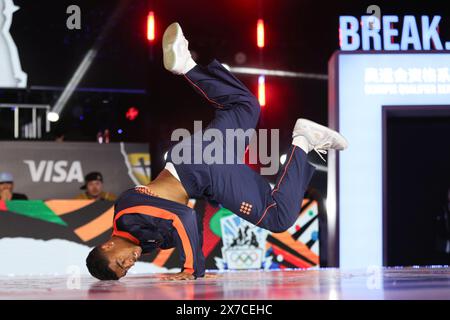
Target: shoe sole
{"x": 339, "y": 137}
{"x": 170, "y": 40}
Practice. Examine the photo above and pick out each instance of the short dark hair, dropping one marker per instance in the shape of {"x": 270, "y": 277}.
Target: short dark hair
{"x": 98, "y": 265}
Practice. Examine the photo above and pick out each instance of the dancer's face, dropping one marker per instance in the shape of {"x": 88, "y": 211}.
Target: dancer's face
{"x": 122, "y": 255}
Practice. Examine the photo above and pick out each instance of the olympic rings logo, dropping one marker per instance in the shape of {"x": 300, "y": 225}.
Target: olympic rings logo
{"x": 244, "y": 258}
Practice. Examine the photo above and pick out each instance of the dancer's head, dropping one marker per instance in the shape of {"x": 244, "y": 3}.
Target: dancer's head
{"x": 112, "y": 259}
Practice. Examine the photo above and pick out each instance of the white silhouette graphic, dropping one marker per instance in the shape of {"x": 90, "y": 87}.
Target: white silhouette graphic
{"x": 11, "y": 73}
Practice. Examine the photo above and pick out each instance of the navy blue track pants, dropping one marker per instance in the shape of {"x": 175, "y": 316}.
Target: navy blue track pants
{"x": 235, "y": 186}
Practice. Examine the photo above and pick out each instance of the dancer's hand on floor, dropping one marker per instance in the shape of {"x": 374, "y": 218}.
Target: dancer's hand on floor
{"x": 179, "y": 276}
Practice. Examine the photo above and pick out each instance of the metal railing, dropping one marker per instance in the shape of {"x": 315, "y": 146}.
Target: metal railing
{"x": 33, "y": 129}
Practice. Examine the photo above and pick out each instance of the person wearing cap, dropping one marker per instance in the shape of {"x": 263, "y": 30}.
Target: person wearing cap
{"x": 7, "y": 186}
{"x": 93, "y": 184}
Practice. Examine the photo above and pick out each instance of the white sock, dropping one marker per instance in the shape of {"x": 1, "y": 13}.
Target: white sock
{"x": 302, "y": 143}
{"x": 190, "y": 64}
{"x": 170, "y": 167}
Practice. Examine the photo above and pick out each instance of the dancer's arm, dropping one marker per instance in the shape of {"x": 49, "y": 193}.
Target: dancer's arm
{"x": 188, "y": 243}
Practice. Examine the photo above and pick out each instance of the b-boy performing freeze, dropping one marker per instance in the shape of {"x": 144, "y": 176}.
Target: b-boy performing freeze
{"x": 156, "y": 216}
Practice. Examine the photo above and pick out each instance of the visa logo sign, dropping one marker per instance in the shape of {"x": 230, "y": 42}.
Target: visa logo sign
{"x": 386, "y": 33}
{"x": 55, "y": 171}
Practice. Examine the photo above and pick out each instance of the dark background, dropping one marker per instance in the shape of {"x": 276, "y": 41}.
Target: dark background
{"x": 418, "y": 177}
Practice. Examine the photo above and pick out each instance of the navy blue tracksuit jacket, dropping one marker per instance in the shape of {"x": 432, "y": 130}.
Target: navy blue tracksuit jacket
{"x": 154, "y": 223}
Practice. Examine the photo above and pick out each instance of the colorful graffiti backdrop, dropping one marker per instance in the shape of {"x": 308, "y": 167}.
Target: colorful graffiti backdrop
{"x": 229, "y": 242}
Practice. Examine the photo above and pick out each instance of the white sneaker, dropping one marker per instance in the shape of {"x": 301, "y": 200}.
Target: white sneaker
{"x": 177, "y": 58}
{"x": 320, "y": 138}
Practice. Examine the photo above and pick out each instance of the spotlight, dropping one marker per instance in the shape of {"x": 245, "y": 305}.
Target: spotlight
{"x": 260, "y": 33}
{"x": 53, "y": 116}
{"x": 262, "y": 90}
{"x": 151, "y": 26}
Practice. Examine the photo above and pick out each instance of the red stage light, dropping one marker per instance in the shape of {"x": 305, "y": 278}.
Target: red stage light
{"x": 260, "y": 33}
{"x": 132, "y": 113}
{"x": 151, "y": 26}
{"x": 262, "y": 90}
